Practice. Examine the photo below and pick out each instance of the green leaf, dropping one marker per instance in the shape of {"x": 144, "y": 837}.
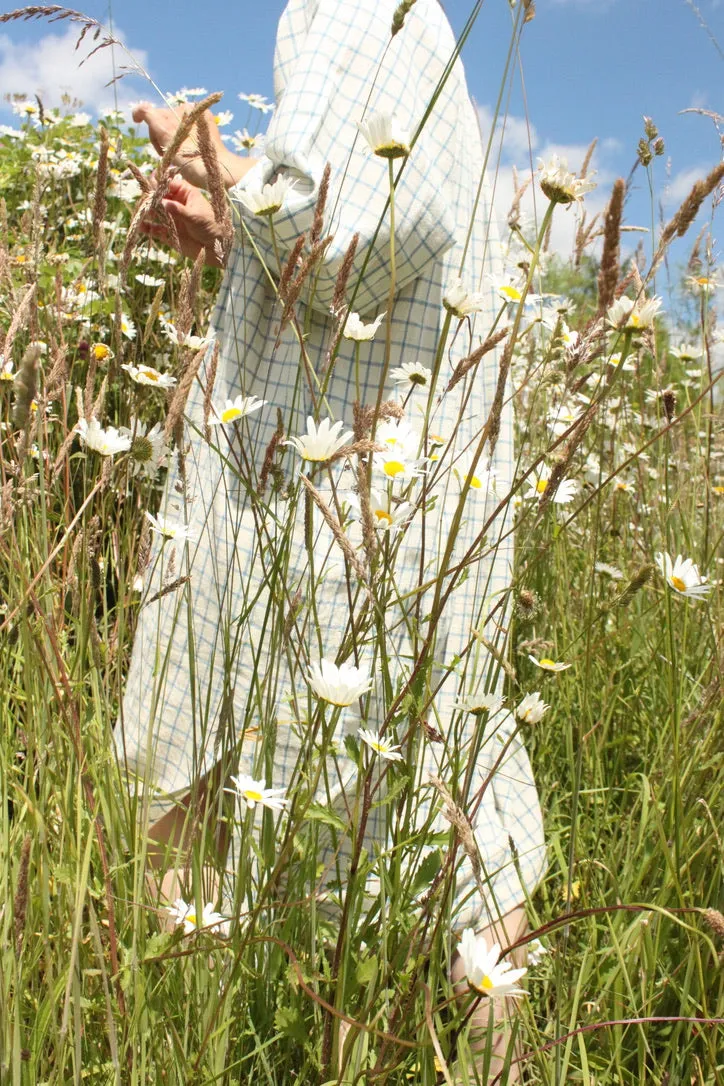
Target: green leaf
{"x": 317, "y": 812}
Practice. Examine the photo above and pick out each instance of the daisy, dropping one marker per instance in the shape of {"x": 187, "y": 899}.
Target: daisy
{"x": 101, "y": 352}
{"x": 558, "y": 184}
{"x": 397, "y": 466}
{"x": 480, "y": 703}
{"x": 235, "y": 410}
{"x": 483, "y": 969}
{"x": 460, "y": 302}
{"x": 6, "y": 369}
{"x": 169, "y": 529}
{"x": 257, "y": 101}
{"x": 547, "y": 664}
{"x": 531, "y": 708}
{"x": 338, "y": 685}
{"x": 385, "y": 136}
{"x": 181, "y": 913}
{"x": 389, "y": 751}
{"x": 608, "y": 571}
{"x": 683, "y": 576}
{"x": 266, "y": 199}
{"x": 686, "y": 353}
{"x": 244, "y": 141}
{"x": 128, "y": 328}
{"x": 106, "y": 442}
{"x": 253, "y": 792}
{"x": 149, "y": 280}
{"x": 615, "y": 360}
{"x": 702, "y": 284}
{"x": 565, "y": 492}
{"x": 633, "y": 316}
{"x": 321, "y": 441}
{"x": 355, "y": 329}
{"x": 224, "y": 117}
{"x": 412, "y": 373}
{"x": 387, "y": 515}
{"x": 509, "y": 289}
{"x": 149, "y": 451}
{"x": 179, "y": 339}
{"x": 147, "y": 375}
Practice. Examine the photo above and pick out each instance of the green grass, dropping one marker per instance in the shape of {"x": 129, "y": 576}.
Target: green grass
{"x": 629, "y": 759}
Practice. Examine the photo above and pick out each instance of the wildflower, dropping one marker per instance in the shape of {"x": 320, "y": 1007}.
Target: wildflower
{"x": 224, "y": 117}
{"x": 536, "y": 952}
{"x": 235, "y": 410}
{"x": 531, "y": 709}
{"x": 480, "y": 703}
{"x": 683, "y": 576}
{"x": 633, "y": 316}
{"x": 321, "y": 441}
{"x": 149, "y": 280}
{"x": 397, "y": 466}
{"x": 244, "y": 141}
{"x": 385, "y": 136}
{"x": 608, "y": 571}
{"x": 169, "y": 529}
{"x": 101, "y": 352}
{"x": 338, "y": 685}
{"x": 615, "y": 360}
{"x": 389, "y": 751}
{"x": 147, "y": 375}
{"x": 149, "y": 451}
{"x": 257, "y": 101}
{"x": 128, "y": 328}
{"x": 483, "y": 969}
{"x": 266, "y": 199}
{"x": 253, "y": 792}
{"x": 181, "y": 913}
{"x": 387, "y": 515}
{"x": 106, "y": 442}
{"x": 565, "y": 492}
{"x": 508, "y": 289}
{"x": 548, "y": 665}
{"x": 702, "y": 284}
{"x": 558, "y": 184}
{"x": 184, "y": 339}
{"x": 686, "y": 353}
{"x": 355, "y": 329}
{"x": 125, "y": 188}
{"x": 6, "y": 369}
{"x": 461, "y": 303}
{"x": 484, "y": 482}
{"x": 412, "y": 373}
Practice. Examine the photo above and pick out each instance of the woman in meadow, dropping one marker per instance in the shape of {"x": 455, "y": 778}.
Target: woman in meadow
{"x": 343, "y": 594}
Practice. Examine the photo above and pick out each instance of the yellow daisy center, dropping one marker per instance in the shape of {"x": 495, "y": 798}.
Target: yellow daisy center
{"x": 486, "y": 983}
{"x": 383, "y": 515}
{"x": 393, "y": 468}
{"x": 149, "y": 374}
{"x": 255, "y": 797}
{"x": 190, "y": 918}
{"x": 678, "y": 584}
{"x": 101, "y": 352}
{"x": 546, "y": 662}
{"x": 541, "y": 485}
{"x": 230, "y": 414}
{"x": 511, "y": 293}
{"x": 475, "y": 482}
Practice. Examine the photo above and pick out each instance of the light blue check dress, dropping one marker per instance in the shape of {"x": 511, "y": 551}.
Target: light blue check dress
{"x": 203, "y": 677}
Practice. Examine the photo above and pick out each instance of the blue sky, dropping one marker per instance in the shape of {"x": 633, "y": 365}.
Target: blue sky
{"x": 588, "y": 68}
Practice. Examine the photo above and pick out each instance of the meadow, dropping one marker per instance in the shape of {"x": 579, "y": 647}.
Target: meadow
{"x": 608, "y": 661}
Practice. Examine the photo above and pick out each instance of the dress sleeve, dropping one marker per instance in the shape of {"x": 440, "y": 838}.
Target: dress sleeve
{"x": 347, "y": 68}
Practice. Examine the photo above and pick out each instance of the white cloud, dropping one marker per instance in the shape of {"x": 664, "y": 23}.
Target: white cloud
{"x": 51, "y": 67}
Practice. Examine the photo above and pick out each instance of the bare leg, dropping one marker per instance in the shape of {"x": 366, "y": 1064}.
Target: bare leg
{"x": 506, "y": 931}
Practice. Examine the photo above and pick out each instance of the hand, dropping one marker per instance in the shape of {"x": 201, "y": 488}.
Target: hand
{"x": 162, "y": 126}
{"x": 194, "y": 220}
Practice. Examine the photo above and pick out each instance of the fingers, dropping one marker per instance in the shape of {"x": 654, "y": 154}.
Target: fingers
{"x": 141, "y": 111}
